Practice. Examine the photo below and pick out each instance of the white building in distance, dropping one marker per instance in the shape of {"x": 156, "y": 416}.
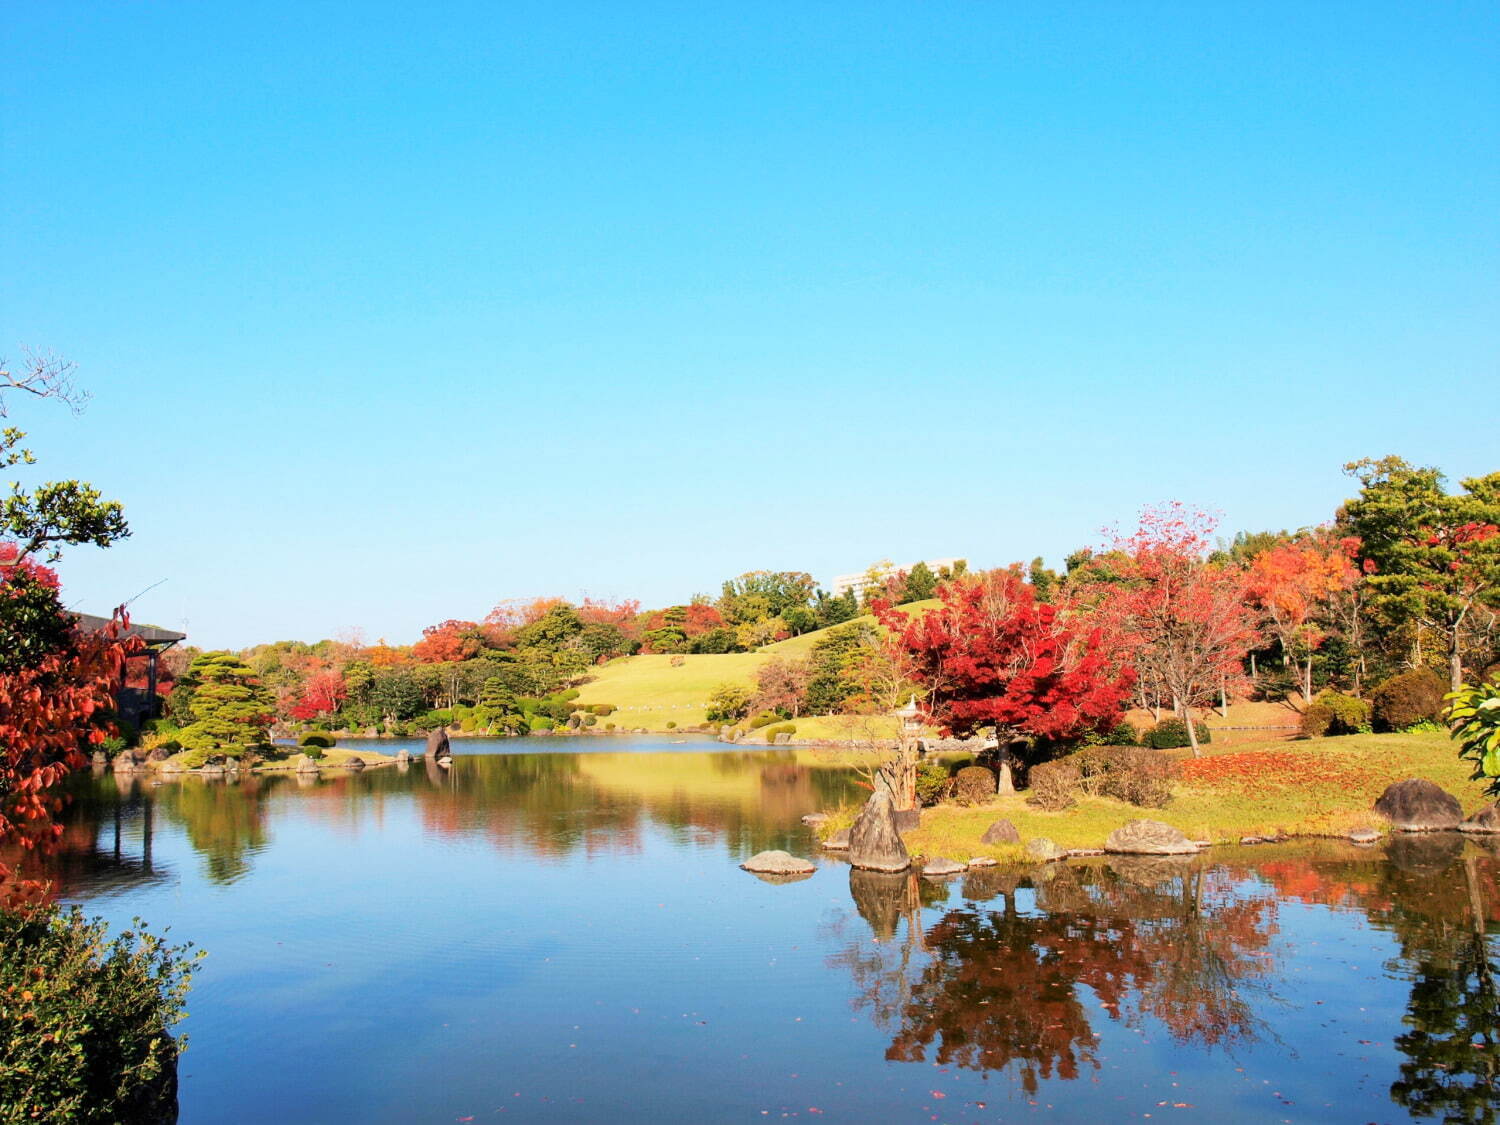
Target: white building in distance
{"x": 859, "y": 583}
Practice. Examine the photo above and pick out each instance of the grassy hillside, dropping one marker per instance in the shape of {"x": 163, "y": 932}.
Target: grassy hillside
{"x": 650, "y": 691}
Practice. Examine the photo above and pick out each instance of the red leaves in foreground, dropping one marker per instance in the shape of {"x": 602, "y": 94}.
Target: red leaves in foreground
{"x": 50, "y": 710}
{"x": 1287, "y": 769}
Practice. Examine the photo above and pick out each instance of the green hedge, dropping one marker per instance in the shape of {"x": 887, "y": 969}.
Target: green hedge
{"x": 1172, "y": 733}
{"x": 1335, "y": 713}
{"x": 84, "y": 1021}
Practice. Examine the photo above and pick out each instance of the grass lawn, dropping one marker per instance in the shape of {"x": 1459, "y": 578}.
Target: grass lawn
{"x": 1321, "y": 786}
{"x": 650, "y": 691}
{"x": 332, "y": 758}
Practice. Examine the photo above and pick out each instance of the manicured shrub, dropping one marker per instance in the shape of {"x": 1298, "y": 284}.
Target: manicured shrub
{"x": 764, "y": 719}
{"x": 1133, "y": 774}
{"x": 933, "y": 782}
{"x": 973, "y": 785}
{"x": 1053, "y": 785}
{"x": 1172, "y": 733}
{"x": 1334, "y": 713}
{"x": 779, "y": 729}
{"x": 541, "y": 722}
{"x": 671, "y": 724}
{"x": 1123, "y": 734}
{"x": 603, "y": 709}
{"x": 433, "y": 719}
{"x": 1410, "y": 698}
{"x": 84, "y": 1021}
{"x": 318, "y": 738}
{"x": 609, "y": 726}
{"x": 314, "y": 750}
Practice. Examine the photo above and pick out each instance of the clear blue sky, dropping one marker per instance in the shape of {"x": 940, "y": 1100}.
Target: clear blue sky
{"x": 392, "y": 311}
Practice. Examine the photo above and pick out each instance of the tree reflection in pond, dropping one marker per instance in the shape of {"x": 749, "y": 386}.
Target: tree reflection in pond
{"x": 1012, "y": 988}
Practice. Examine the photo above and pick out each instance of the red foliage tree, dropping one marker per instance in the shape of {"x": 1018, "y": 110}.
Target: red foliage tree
{"x": 446, "y": 642}
{"x": 322, "y": 692}
{"x": 1183, "y": 621}
{"x": 53, "y": 704}
{"x": 993, "y": 656}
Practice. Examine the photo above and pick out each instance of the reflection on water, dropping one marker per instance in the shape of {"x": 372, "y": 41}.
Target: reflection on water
{"x": 597, "y": 894}
{"x": 1002, "y": 984}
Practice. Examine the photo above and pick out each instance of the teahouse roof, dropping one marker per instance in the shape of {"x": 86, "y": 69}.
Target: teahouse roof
{"x": 153, "y": 635}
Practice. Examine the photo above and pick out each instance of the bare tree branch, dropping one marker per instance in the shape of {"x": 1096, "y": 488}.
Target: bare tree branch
{"x": 45, "y": 376}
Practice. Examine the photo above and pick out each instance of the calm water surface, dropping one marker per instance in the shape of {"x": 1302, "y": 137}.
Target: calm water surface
{"x": 565, "y": 936}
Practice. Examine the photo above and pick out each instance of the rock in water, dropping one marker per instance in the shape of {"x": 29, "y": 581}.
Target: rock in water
{"x": 1364, "y": 836}
{"x": 355, "y": 763}
{"x": 941, "y": 868}
{"x": 982, "y": 861}
{"x": 437, "y": 744}
{"x": 1418, "y": 805}
{"x": 778, "y": 863}
{"x": 160, "y": 754}
{"x": 1486, "y": 819}
{"x": 1044, "y": 849}
{"x": 1001, "y": 832}
{"x": 838, "y": 842}
{"x": 303, "y": 764}
{"x": 815, "y": 818}
{"x": 1148, "y": 837}
{"x": 874, "y": 842}
{"x": 403, "y": 756}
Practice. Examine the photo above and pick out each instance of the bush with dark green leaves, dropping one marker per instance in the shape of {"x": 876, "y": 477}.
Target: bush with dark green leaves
{"x": 934, "y": 783}
{"x": 1335, "y": 713}
{"x": 85, "y": 1021}
{"x": 1172, "y": 733}
{"x": 318, "y": 738}
{"x": 1408, "y": 699}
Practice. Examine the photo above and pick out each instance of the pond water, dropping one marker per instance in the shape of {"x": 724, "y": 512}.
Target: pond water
{"x": 564, "y": 935}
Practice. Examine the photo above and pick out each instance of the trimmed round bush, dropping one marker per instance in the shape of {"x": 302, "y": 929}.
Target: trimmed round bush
{"x": 1133, "y": 774}
{"x": 1169, "y": 734}
{"x": 1053, "y": 785}
{"x": 933, "y": 782}
{"x": 1408, "y": 699}
{"x": 318, "y": 738}
{"x": 671, "y": 724}
{"x": 541, "y": 722}
{"x": 1334, "y": 713}
{"x": 764, "y": 719}
{"x": 772, "y": 732}
{"x": 974, "y": 785}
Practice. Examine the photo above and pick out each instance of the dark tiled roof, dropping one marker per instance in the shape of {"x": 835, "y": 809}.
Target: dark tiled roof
{"x": 151, "y": 634}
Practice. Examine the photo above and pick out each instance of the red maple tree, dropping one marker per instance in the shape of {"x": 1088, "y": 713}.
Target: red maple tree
{"x": 1182, "y": 620}
{"x": 53, "y": 704}
{"x": 993, "y": 656}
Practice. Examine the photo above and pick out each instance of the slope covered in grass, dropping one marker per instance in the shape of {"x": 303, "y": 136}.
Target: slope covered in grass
{"x": 651, "y": 691}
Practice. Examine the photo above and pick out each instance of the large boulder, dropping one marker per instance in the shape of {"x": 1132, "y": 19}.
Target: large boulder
{"x": 437, "y": 744}
{"x": 354, "y": 763}
{"x": 1148, "y": 837}
{"x": 1001, "y": 832}
{"x": 403, "y": 756}
{"x": 1419, "y": 805}
{"x": 778, "y": 863}
{"x": 973, "y": 785}
{"x": 1486, "y": 820}
{"x": 1044, "y": 849}
{"x": 303, "y": 764}
{"x": 158, "y": 754}
{"x": 874, "y": 842}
